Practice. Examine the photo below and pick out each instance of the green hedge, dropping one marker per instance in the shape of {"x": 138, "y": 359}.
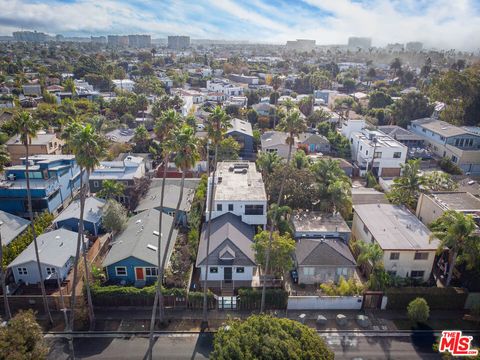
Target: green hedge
{"x": 250, "y": 299}
{"x": 437, "y": 298}
{"x": 12, "y": 250}
{"x": 115, "y": 295}
{"x": 195, "y": 216}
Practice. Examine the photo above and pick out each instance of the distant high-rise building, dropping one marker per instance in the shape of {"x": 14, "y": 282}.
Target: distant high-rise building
{"x": 301, "y": 45}
{"x": 360, "y": 42}
{"x": 139, "y": 41}
{"x": 31, "y": 36}
{"x": 117, "y": 40}
{"x": 98, "y": 39}
{"x": 178, "y": 42}
{"x": 414, "y": 46}
{"x": 395, "y": 47}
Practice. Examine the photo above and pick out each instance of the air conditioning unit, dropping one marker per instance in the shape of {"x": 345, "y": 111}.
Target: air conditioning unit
{"x": 12, "y": 177}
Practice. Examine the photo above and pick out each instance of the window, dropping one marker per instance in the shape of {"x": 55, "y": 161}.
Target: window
{"x": 424, "y": 130}
{"x": 421, "y": 256}
{"x": 377, "y": 155}
{"x": 213, "y": 270}
{"x": 50, "y": 270}
{"x": 391, "y": 272}
{"x": 365, "y": 229}
{"x": 219, "y": 207}
{"x": 230, "y": 207}
{"x": 366, "y": 152}
{"x": 442, "y": 138}
{"x": 342, "y": 272}
{"x": 415, "y": 126}
{"x": 470, "y": 142}
{"x": 151, "y": 271}
{"x": 394, "y": 255}
{"x": 96, "y": 184}
{"x": 397, "y": 155}
{"x": 121, "y": 271}
{"x": 417, "y": 274}
{"x": 22, "y": 271}
{"x": 360, "y": 148}
{"x": 309, "y": 271}
{"x": 253, "y": 209}
{"x": 240, "y": 270}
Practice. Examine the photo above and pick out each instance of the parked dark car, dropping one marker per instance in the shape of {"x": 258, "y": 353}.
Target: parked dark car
{"x": 294, "y": 275}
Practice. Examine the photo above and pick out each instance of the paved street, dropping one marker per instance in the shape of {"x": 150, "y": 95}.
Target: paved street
{"x": 193, "y": 346}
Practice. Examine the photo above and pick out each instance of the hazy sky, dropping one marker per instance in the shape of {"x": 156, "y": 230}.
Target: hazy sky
{"x": 438, "y": 23}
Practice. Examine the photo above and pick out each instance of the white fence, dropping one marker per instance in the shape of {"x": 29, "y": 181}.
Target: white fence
{"x": 325, "y": 302}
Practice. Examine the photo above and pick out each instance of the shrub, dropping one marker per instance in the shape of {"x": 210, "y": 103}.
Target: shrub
{"x": 251, "y": 299}
{"x": 343, "y": 288}
{"x": 449, "y": 166}
{"x": 450, "y": 298}
{"x": 418, "y": 310}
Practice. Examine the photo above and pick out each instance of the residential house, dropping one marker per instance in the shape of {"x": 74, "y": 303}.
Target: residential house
{"x": 11, "y": 227}
{"x": 239, "y": 189}
{"x": 224, "y": 86}
{"x": 231, "y": 260}
{"x": 32, "y": 90}
{"x": 171, "y": 196}
{"x": 377, "y": 151}
{"x": 459, "y": 144}
{"x": 314, "y": 143}
{"x": 56, "y": 251}
{"x": 363, "y": 195}
{"x": 408, "y": 250}
{"x": 92, "y": 219}
{"x": 133, "y": 256}
{"x": 124, "y": 84}
{"x": 244, "y": 79}
{"x": 432, "y": 206}
{"x": 126, "y": 172}
{"x": 262, "y": 109}
{"x": 313, "y": 224}
{"x": 42, "y": 144}
{"x": 404, "y": 136}
{"x": 241, "y": 131}
{"x": 320, "y": 260}
{"x": 54, "y": 182}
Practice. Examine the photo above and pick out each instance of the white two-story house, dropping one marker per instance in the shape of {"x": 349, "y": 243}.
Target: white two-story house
{"x": 408, "y": 250}
{"x": 238, "y": 189}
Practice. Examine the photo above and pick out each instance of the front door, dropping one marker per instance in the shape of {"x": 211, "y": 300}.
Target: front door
{"x": 139, "y": 274}
{"x": 227, "y": 274}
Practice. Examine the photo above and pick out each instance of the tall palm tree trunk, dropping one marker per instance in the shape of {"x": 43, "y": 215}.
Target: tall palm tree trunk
{"x": 8, "y": 313}
{"x": 75, "y": 264}
{"x": 158, "y": 290}
{"x": 451, "y": 266}
{"x": 270, "y": 239}
{"x": 91, "y": 314}
{"x": 210, "y": 205}
{"x": 35, "y": 243}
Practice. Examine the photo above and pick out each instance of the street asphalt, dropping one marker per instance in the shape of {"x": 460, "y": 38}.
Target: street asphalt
{"x": 198, "y": 346}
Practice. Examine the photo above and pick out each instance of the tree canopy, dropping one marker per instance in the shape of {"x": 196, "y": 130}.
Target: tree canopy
{"x": 266, "y": 337}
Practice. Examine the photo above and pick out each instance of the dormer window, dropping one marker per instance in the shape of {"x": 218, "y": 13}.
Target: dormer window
{"x": 226, "y": 253}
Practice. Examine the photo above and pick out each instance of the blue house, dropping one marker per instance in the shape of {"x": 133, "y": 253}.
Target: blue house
{"x": 92, "y": 216}
{"x": 54, "y": 181}
{"x": 242, "y": 132}
{"x": 133, "y": 257}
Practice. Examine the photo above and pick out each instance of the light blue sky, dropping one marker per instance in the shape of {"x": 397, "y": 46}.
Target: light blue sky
{"x": 438, "y": 23}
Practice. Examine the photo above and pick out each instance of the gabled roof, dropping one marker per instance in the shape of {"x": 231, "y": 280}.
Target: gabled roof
{"x": 92, "y": 212}
{"x": 11, "y": 226}
{"x": 171, "y": 194}
{"x": 240, "y": 126}
{"x": 140, "y": 239}
{"x": 441, "y": 127}
{"x": 312, "y": 138}
{"x": 54, "y": 247}
{"x": 323, "y": 252}
{"x": 228, "y": 235}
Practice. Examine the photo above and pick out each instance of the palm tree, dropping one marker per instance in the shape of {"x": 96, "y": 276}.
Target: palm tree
{"x": 396, "y": 66}
{"x": 164, "y": 130}
{"x": 111, "y": 189}
{"x": 4, "y": 159}
{"x": 455, "y": 231}
{"x": 88, "y": 147}
{"x": 217, "y": 125}
{"x": 27, "y": 127}
{"x": 267, "y": 162}
{"x": 406, "y": 188}
{"x": 280, "y": 215}
{"x": 293, "y": 125}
